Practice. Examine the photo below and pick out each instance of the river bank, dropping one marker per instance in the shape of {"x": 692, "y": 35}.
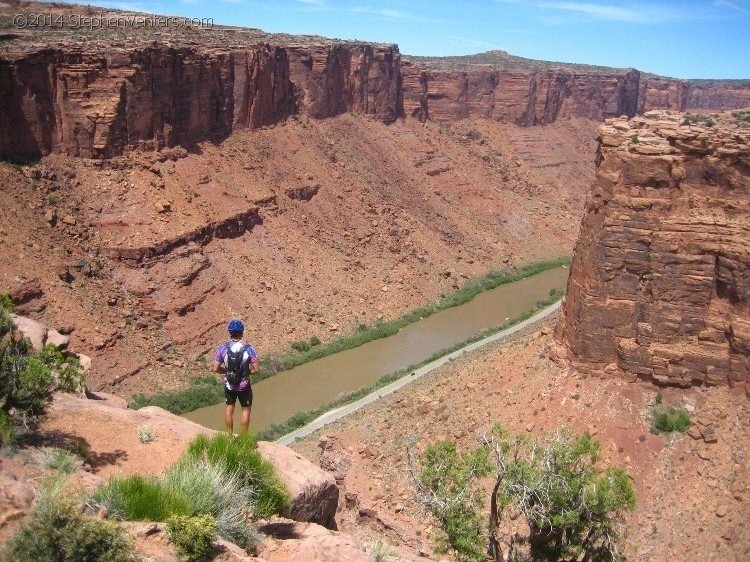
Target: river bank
{"x": 292, "y": 398}
{"x": 205, "y": 392}
{"x": 299, "y": 425}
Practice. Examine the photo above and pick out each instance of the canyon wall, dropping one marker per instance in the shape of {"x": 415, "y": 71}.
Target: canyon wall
{"x": 99, "y": 97}
{"x": 522, "y": 96}
{"x": 660, "y": 280}
{"x": 533, "y": 97}
{"x": 95, "y": 104}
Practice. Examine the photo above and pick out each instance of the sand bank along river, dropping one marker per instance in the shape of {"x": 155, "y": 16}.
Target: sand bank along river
{"x": 321, "y": 381}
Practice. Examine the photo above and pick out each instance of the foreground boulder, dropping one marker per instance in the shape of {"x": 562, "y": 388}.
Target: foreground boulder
{"x": 109, "y": 429}
{"x": 35, "y": 331}
{"x": 292, "y": 541}
{"x": 314, "y": 491}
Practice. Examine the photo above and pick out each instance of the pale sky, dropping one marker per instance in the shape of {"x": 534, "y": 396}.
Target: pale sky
{"x": 678, "y": 38}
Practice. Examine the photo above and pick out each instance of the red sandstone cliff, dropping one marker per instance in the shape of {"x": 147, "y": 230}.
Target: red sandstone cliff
{"x": 660, "y": 280}
{"x": 95, "y": 93}
{"x": 524, "y": 96}
{"x": 95, "y": 103}
{"x": 532, "y": 96}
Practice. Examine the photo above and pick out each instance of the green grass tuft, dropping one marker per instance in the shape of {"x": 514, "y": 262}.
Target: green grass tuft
{"x": 240, "y": 456}
{"x": 141, "y": 498}
{"x": 215, "y": 490}
{"x": 60, "y": 460}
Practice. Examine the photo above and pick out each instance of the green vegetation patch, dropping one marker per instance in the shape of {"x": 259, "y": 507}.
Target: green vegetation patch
{"x": 220, "y": 478}
{"x": 192, "y": 536}
{"x": 60, "y": 460}
{"x": 141, "y": 498}
{"x": 216, "y": 491}
{"x": 571, "y": 506}
{"x": 27, "y": 378}
{"x": 449, "y": 477}
{"x": 201, "y": 393}
{"x": 57, "y": 530}
{"x": 668, "y": 419}
{"x": 207, "y": 392}
{"x": 8, "y": 430}
{"x": 693, "y": 119}
{"x": 239, "y": 455}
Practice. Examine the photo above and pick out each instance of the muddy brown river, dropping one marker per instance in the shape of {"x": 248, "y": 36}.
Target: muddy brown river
{"x": 318, "y": 382}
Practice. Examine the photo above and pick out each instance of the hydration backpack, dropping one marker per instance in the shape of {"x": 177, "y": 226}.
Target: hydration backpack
{"x": 234, "y": 364}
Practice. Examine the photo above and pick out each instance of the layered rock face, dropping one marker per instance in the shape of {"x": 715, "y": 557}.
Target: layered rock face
{"x": 96, "y": 103}
{"x": 523, "y": 96}
{"x": 660, "y": 280}
{"x": 532, "y": 97}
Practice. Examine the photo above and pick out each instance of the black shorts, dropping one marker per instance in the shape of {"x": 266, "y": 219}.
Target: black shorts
{"x": 245, "y": 396}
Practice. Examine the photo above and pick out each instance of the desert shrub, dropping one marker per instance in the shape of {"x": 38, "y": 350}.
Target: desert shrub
{"x": 140, "y": 498}
{"x": 56, "y": 531}
{"x": 6, "y": 303}
{"x": 8, "y": 431}
{"x": 70, "y": 376}
{"x": 25, "y": 379}
{"x": 145, "y": 433}
{"x": 315, "y": 340}
{"x": 193, "y": 536}
{"x": 573, "y": 509}
{"x": 34, "y": 383}
{"x": 239, "y": 455}
{"x": 212, "y": 490}
{"x": 380, "y": 550}
{"x": 51, "y": 356}
{"x": 300, "y": 346}
{"x": 667, "y": 419}
{"x": 446, "y": 480}
{"x": 60, "y": 460}
{"x": 705, "y": 120}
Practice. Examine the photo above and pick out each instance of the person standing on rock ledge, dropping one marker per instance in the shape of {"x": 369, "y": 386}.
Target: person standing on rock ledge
{"x": 237, "y": 361}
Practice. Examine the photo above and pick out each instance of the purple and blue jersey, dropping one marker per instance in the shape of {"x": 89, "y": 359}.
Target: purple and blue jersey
{"x": 250, "y": 357}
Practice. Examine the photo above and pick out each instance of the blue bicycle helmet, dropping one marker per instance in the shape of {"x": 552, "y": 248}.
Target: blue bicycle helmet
{"x": 236, "y": 326}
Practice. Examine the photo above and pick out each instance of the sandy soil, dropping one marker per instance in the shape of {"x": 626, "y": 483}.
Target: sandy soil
{"x": 692, "y": 496}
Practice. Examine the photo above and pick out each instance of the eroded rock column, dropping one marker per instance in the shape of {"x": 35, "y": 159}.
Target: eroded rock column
{"x": 660, "y": 280}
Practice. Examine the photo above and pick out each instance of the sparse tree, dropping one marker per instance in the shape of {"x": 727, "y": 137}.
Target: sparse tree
{"x": 572, "y": 509}
{"x": 550, "y": 499}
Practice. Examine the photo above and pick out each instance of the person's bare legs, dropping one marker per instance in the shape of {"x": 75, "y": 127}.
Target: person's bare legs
{"x": 245, "y": 422}
{"x": 229, "y": 418}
